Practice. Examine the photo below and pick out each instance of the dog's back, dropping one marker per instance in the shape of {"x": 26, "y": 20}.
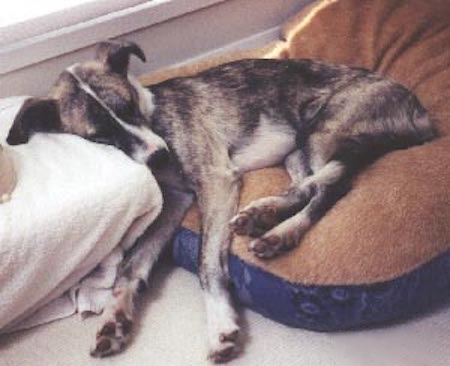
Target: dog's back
{"x": 333, "y": 110}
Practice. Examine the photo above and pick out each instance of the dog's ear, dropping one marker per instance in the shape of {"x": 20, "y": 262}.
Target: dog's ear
{"x": 36, "y": 115}
{"x": 115, "y": 55}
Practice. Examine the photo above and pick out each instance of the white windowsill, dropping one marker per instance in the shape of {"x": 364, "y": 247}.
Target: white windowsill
{"x": 21, "y": 53}
{"x": 21, "y": 19}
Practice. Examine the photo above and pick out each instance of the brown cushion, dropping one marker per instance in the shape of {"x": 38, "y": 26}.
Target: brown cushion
{"x": 397, "y": 215}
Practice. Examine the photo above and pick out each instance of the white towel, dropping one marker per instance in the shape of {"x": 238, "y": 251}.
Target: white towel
{"x": 76, "y": 204}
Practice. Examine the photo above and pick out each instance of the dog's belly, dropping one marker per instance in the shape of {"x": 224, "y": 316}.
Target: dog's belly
{"x": 268, "y": 145}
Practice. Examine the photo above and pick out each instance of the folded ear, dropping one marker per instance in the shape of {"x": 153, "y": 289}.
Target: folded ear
{"x": 36, "y": 115}
{"x": 116, "y": 55}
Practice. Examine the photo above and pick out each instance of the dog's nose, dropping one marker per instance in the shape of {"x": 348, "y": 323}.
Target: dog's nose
{"x": 158, "y": 159}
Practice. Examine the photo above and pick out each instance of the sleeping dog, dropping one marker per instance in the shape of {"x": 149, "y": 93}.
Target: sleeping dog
{"x": 200, "y": 134}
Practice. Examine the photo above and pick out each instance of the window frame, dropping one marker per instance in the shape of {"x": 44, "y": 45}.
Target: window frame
{"x": 42, "y": 46}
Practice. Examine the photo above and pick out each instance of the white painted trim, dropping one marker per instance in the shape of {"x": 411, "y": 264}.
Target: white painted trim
{"x": 61, "y": 41}
{"x": 48, "y": 15}
{"x": 252, "y": 42}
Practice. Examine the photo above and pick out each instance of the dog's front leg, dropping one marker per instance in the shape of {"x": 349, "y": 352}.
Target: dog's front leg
{"x": 218, "y": 198}
{"x": 117, "y": 317}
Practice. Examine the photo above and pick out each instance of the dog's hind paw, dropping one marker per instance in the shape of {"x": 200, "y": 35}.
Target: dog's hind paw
{"x": 254, "y": 221}
{"x": 270, "y": 246}
{"x": 266, "y": 247}
{"x": 113, "y": 335}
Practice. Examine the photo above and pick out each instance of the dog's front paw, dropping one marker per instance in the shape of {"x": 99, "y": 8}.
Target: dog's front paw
{"x": 223, "y": 329}
{"x": 225, "y": 348}
{"x": 113, "y": 335}
{"x": 254, "y": 221}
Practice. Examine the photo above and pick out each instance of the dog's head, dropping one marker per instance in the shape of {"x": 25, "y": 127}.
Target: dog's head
{"x": 97, "y": 100}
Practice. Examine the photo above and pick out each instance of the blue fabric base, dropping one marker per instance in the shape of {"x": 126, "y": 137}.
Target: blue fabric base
{"x": 326, "y": 308}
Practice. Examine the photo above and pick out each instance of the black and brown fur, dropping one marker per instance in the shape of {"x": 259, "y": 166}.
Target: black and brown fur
{"x": 324, "y": 121}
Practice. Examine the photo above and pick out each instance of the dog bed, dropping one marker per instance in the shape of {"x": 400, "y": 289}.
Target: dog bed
{"x": 382, "y": 252}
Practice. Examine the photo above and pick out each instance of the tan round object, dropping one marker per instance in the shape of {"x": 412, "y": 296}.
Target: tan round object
{"x": 7, "y": 175}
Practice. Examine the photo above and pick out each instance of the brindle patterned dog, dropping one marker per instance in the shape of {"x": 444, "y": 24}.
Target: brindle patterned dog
{"x": 203, "y": 132}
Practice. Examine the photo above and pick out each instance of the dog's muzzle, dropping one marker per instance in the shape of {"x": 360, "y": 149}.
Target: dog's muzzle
{"x": 158, "y": 159}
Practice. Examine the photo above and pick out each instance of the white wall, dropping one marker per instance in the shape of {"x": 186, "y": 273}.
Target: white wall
{"x": 177, "y": 40}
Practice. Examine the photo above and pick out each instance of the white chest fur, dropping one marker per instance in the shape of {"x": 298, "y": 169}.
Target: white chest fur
{"x": 269, "y": 145}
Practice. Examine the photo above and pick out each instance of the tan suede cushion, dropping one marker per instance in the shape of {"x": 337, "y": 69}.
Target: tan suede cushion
{"x": 397, "y": 216}
{"x": 7, "y": 175}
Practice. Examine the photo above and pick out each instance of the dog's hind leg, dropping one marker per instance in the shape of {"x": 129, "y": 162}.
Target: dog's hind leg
{"x": 263, "y": 214}
{"x": 117, "y": 318}
{"x": 321, "y": 190}
{"x": 218, "y": 198}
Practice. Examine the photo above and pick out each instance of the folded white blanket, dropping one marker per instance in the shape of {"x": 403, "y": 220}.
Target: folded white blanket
{"x": 76, "y": 204}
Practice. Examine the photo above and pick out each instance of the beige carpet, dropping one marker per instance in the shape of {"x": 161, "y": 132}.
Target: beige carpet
{"x": 171, "y": 332}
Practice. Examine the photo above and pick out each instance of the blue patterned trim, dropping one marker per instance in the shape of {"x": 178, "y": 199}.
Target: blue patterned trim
{"x": 326, "y": 308}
